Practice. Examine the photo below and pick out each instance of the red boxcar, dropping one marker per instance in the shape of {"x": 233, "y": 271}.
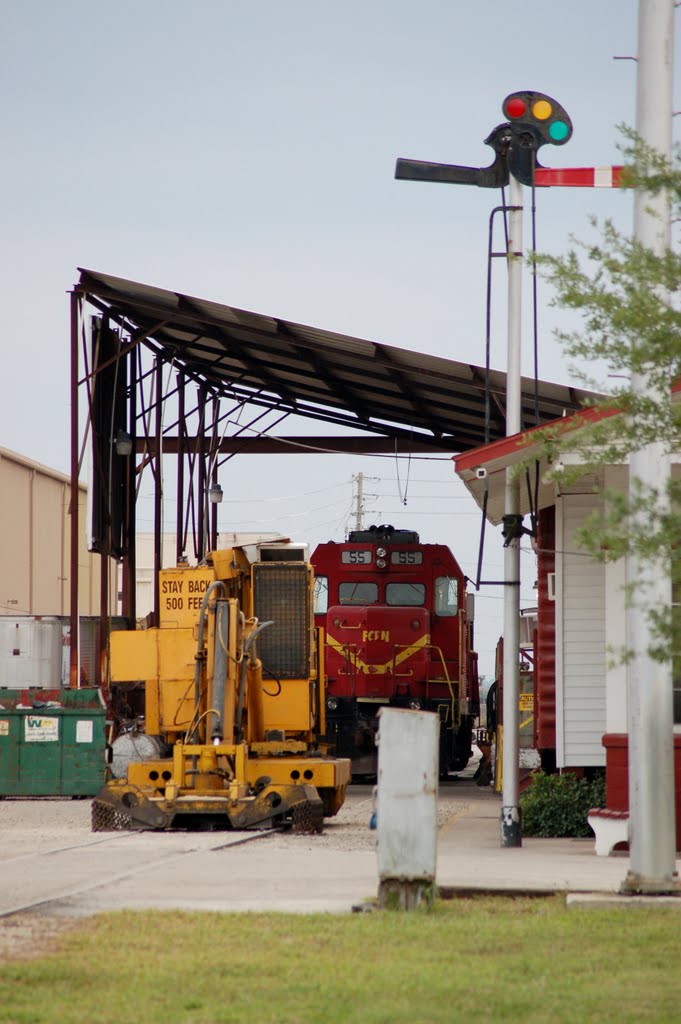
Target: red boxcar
{"x": 398, "y": 631}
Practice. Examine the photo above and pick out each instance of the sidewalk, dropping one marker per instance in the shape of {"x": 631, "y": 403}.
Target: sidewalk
{"x": 470, "y": 856}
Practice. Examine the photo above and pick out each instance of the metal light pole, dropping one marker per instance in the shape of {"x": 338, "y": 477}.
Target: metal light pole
{"x": 649, "y": 682}
{"x": 511, "y": 834}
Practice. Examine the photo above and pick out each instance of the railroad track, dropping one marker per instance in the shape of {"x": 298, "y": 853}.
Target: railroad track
{"x": 24, "y": 870}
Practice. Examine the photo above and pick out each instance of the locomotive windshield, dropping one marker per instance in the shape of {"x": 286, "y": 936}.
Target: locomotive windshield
{"x": 446, "y": 593}
{"x": 358, "y": 593}
{"x": 405, "y": 594}
{"x": 321, "y": 594}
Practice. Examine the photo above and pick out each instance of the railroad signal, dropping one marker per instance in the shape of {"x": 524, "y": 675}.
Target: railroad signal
{"x": 534, "y": 119}
{"x": 538, "y": 114}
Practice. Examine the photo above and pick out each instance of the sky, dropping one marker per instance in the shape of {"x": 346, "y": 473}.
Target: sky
{"x": 243, "y": 151}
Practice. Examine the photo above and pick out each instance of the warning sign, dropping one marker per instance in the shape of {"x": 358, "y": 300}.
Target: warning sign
{"x": 526, "y": 702}
{"x": 181, "y": 592}
{"x": 39, "y": 729}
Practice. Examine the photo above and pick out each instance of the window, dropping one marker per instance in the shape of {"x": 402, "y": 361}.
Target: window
{"x": 321, "y": 594}
{"x": 405, "y": 594}
{"x": 446, "y": 595}
{"x": 358, "y": 593}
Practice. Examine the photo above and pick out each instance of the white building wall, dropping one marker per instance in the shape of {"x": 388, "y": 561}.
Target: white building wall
{"x": 580, "y": 640}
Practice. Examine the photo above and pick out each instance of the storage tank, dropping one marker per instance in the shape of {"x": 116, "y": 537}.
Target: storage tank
{"x": 31, "y": 651}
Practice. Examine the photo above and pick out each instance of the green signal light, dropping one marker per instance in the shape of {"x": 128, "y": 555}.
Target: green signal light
{"x": 559, "y": 131}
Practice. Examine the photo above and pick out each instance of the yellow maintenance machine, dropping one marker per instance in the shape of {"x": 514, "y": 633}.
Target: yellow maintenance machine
{"x": 234, "y": 697}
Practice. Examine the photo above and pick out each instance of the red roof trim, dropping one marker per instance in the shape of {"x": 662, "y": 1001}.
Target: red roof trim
{"x": 508, "y": 445}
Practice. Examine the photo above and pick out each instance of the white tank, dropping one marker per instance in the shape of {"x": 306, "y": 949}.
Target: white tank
{"x": 134, "y": 746}
{"x": 30, "y": 651}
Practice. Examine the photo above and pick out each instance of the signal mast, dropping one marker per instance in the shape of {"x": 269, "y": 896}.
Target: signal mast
{"x": 534, "y": 119}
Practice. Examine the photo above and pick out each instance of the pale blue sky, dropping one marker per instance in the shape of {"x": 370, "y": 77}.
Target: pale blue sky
{"x": 244, "y": 151}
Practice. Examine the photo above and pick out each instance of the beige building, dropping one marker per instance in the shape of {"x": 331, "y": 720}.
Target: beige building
{"x": 35, "y": 542}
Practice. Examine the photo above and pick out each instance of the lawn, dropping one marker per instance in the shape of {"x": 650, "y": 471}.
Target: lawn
{"x": 492, "y": 959}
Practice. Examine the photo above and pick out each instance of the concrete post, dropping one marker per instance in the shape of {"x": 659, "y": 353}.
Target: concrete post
{"x": 407, "y": 807}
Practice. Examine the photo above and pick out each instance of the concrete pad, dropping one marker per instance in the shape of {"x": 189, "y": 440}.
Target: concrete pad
{"x": 608, "y": 900}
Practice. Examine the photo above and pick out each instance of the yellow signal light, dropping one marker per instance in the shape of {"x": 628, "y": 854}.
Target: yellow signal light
{"x": 542, "y": 110}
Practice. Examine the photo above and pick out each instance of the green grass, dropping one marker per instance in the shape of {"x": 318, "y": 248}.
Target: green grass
{"x": 492, "y": 959}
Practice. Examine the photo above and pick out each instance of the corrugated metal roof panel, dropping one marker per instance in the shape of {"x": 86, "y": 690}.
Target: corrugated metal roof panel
{"x": 322, "y": 374}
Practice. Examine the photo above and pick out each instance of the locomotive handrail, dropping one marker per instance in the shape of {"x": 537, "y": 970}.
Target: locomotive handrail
{"x": 462, "y": 644}
{"x": 445, "y": 670}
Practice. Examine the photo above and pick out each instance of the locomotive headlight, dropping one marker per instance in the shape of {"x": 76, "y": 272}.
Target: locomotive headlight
{"x": 415, "y": 705}
{"x": 332, "y": 703}
{"x": 381, "y": 552}
{"x": 380, "y": 562}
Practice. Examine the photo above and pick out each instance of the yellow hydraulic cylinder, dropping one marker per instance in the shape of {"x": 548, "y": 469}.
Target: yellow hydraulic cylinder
{"x": 254, "y": 683}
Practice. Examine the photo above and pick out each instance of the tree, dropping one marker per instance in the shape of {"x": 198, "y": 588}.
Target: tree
{"x": 628, "y": 299}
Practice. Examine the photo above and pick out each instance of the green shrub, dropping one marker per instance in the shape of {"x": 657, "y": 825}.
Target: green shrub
{"x": 558, "y": 805}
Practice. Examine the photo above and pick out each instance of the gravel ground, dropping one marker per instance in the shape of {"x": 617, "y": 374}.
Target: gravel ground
{"x": 28, "y": 827}
{"x": 350, "y": 830}
{"x": 35, "y": 825}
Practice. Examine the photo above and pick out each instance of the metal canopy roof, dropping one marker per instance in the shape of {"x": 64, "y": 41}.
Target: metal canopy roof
{"x": 425, "y": 401}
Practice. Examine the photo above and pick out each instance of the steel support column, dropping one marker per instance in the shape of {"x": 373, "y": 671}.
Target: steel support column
{"x": 158, "y": 490}
{"x": 181, "y": 435}
{"x": 74, "y": 673}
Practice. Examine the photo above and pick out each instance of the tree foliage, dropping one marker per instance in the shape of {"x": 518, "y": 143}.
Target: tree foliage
{"x": 628, "y": 298}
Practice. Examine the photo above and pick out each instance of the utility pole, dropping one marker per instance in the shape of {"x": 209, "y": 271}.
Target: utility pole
{"x": 649, "y": 682}
{"x": 359, "y": 507}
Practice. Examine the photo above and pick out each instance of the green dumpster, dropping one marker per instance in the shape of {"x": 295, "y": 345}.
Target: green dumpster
{"x": 52, "y": 742}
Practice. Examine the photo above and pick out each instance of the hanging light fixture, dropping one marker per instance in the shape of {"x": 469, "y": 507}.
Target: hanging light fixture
{"x": 123, "y": 443}
{"x": 215, "y": 494}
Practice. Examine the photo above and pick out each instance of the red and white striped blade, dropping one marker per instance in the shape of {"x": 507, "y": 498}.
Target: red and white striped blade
{"x": 579, "y": 177}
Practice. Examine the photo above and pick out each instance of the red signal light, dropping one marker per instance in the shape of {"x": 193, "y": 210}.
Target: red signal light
{"x": 515, "y": 107}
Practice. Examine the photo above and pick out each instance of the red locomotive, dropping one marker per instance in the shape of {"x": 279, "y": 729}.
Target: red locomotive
{"x": 398, "y": 629}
